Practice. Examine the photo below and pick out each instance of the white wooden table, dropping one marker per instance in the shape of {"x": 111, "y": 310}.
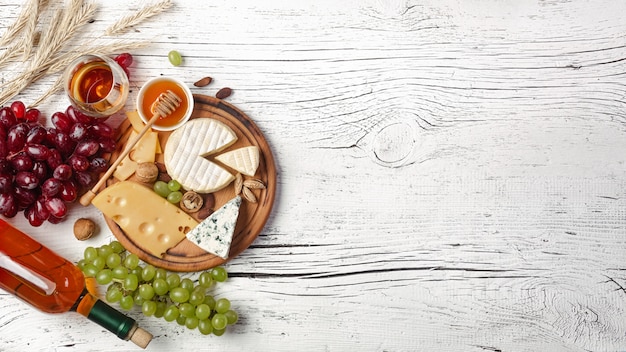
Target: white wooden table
{"x": 451, "y": 175}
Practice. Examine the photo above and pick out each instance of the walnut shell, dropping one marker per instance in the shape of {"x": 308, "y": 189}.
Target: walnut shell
{"x": 147, "y": 172}
{"x": 84, "y": 229}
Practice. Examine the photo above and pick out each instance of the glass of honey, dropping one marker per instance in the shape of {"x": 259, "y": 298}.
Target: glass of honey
{"x": 96, "y": 85}
{"x": 150, "y": 92}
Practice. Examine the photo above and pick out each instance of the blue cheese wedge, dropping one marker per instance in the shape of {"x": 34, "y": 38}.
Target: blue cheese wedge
{"x": 215, "y": 233}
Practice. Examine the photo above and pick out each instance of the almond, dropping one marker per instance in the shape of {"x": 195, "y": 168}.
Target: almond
{"x": 223, "y": 93}
{"x": 203, "y": 82}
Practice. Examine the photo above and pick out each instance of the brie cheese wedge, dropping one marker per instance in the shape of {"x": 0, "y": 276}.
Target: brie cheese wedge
{"x": 244, "y": 160}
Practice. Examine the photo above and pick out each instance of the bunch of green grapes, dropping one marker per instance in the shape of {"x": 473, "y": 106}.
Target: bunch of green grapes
{"x": 159, "y": 293}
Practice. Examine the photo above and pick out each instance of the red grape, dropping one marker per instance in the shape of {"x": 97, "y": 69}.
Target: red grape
{"x": 56, "y": 207}
{"x": 62, "y": 172}
{"x": 84, "y": 178}
{"x": 54, "y": 159}
{"x": 78, "y": 131}
{"x": 32, "y": 115}
{"x": 64, "y": 143}
{"x": 21, "y": 162}
{"x": 6, "y": 184}
{"x": 37, "y": 151}
{"x": 7, "y": 200}
{"x": 40, "y": 209}
{"x": 87, "y": 148}
{"x": 40, "y": 169}
{"x": 100, "y": 129}
{"x": 24, "y": 197}
{"x": 107, "y": 145}
{"x": 19, "y": 109}
{"x": 7, "y": 117}
{"x": 61, "y": 121}
{"x": 37, "y": 134}
{"x": 26, "y": 180}
{"x": 77, "y": 116}
{"x": 50, "y": 187}
{"x": 98, "y": 165}
{"x": 78, "y": 162}
{"x": 31, "y": 215}
{"x": 124, "y": 59}
{"x": 16, "y": 139}
{"x": 69, "y": 191}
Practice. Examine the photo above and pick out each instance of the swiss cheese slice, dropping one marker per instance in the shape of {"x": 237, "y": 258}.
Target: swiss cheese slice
{"x": 215, "y": 233}
{"x": 244, "y": 160}
{"x": 143, "y": 151}
{"x": 148, "y": 219}
{"x": 186, "y": 149}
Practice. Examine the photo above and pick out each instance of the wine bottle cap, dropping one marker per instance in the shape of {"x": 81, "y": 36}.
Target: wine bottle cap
{"x": 141, "y": 337}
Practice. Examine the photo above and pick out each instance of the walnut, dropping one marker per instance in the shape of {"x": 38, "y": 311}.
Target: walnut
{"x": 147, "y": 172}
{"x": 191, "y": 202}
{"x": 84, "y": 229}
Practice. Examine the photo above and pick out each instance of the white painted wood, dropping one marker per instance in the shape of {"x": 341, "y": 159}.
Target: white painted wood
{"x": 451, "y": 175}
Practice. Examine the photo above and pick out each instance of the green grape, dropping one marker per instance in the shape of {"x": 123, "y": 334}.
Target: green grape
{"x": 90, "y": 254}
{"x": 219, "y": 321}
{"x": 160, "y": 286}
{"x": 81, "y": 264}
{"x": 127, "y": 302}
{"x": 187, "y": 309}
{"x": 104, "y": 251}
{"x": 196, "y": 297}
{"x": 131, "y": 261}
{"x": 203, "y": 311}
{"x": 174, "y": 197}
{"x": 148, "y": 273}
{"x": 191, "y": 323}
{"x": 146, "y": 291}
{"x": 219, "y": 332}
{"x": 175, "y": 58}
{"x": 222, "y": 305}
{"x": 205, "y": 327}
{"x": 187, "y": 284}
{"x": 209, "y": 301}
{"x": 113, "y": 260}
{"x": 173, "y": 185}
{"x": 219, "y": 274}
{"x": 104, "y": 277}
{"x": 179, "y": 295}
{"x": 131, "y": 282}
{"x": 231, "y": 316}
{"x": 205, "y": 279}
{"x": 173, "y": 280}
{"x": 171, "y": 313}
{"x": 181, "y": 319}
{"x": 161, "y": 189}
{"x": 117, "y": 247}
{"x": 120, "y": 272}
{"x": 99, "y": 263}
{"x": 137, "y": 272}
{"x": 114, "y": 293}
{"x": 148, "y": 308}
{"x": 160, "y": 309}
{"x": 160, "y": 274}
{"x": 90, "y": 270}
{"x": 138, "y": 299}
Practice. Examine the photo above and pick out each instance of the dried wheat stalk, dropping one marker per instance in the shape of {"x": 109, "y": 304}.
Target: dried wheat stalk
{"x": 124, "y": 23}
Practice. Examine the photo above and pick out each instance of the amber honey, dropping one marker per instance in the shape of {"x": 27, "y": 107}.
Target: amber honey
{"x": 152, "y": 92}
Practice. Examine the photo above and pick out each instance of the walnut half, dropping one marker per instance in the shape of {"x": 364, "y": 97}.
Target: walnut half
{"x": 191, "y": 202}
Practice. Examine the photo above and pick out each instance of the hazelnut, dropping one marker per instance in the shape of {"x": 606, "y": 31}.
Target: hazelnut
{"x": 147, "y": 172}
{"x": 191, "y": 202}
{"x": 84, "y": 229}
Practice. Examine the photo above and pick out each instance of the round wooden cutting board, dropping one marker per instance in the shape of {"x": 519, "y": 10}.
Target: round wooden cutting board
{"x": 186, "y": 256}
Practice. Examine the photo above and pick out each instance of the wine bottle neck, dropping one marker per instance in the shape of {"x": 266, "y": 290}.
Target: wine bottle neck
{"x": 104, "y": 315}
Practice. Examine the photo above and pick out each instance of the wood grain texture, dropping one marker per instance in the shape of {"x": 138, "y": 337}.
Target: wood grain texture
{"x": 451, "y": 175}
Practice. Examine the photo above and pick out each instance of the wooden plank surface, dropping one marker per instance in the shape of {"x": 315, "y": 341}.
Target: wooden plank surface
{"x": 451, "y": 174}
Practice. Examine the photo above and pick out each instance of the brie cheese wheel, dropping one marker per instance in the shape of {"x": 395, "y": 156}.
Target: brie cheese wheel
{"x": 244, "y": 160}
{"x": 186, "y": 149}
{"x": 215, "y": 233}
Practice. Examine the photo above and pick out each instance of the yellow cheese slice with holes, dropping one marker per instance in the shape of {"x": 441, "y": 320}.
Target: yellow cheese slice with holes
{"x": 148, "y": 219}
{"x": 143, "y": 151}
{"x": 244, "y": 160}
{"x": 186, "y": 150}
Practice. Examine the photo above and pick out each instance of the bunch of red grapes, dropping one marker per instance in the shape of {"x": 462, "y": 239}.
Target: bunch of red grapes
{"x": 43, "y": 169}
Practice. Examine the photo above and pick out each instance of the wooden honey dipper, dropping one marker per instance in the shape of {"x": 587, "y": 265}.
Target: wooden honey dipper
{"x": 164, "y": 105}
